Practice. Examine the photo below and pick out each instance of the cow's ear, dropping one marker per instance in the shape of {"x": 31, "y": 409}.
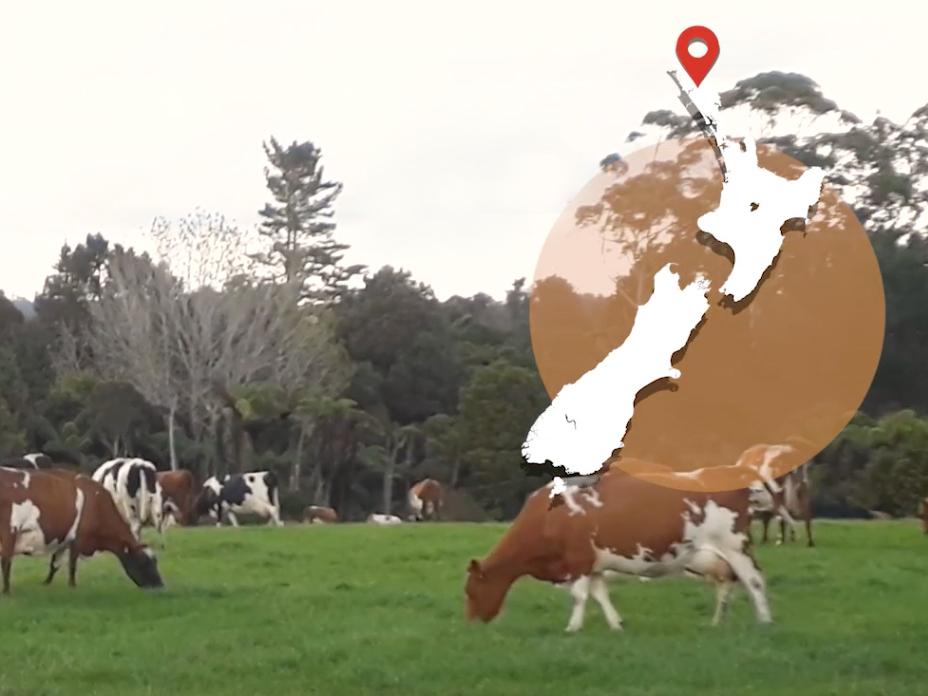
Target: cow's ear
{"x": 474, "y": 568}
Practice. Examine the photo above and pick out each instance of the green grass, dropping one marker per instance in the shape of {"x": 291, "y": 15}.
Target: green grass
{"x": 353, "y": 610}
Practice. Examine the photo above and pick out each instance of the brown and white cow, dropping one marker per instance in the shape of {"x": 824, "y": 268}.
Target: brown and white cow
{"x": 634, "y": 525}
{"x": 179, "y": 492}
{"x": 788, "y": 500}
{"x": 425, "y": 500}
{"x": 318, "y": 514}
{"x": 53, "y": 511}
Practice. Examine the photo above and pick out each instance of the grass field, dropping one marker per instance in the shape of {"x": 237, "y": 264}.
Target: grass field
{"x": 359, "y": 609}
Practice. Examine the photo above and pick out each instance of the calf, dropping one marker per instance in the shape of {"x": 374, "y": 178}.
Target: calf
{"x": 377, "y": 518}
{"x": 635, "y": 525}
{"x": 425, "y": 499}
{"x": 179, "y": 490}
{"x": 50, "y": 512}
{"x": 253, "y": 493}
{"x": 133, "y": 483}
{"x": 317, "y": 514}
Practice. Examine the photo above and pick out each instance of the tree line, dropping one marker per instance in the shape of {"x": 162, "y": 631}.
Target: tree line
{"x": 352, "y": 384}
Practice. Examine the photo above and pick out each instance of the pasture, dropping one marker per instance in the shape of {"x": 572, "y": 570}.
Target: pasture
{"x": 354, "y": 609}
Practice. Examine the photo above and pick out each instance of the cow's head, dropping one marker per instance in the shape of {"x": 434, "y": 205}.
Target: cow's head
{"x": 760, "y": 498}
{"x": 141, "y": 566}
{"x": 205, "y": 502}
{"x": 483, "y": 596}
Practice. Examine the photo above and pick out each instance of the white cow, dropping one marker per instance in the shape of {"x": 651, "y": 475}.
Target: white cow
{"x": 376, "y": 518}
{"x": 252, "y": 493}
{"x": 134, "y": 486}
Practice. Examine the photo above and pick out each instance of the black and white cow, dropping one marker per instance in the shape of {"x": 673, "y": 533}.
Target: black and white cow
{"x": 134, "y": 486}
{"x": 36, "y": 460}
{"x": 252, "y": 493}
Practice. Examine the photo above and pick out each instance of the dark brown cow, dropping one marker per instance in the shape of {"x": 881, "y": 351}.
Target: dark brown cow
{"x": 627, "y": 524}
{"x": 425, "y": 500}
{"x": 180, "y": 489}
{"x": 53, "y": 511}
{"x": 317, "y": 514}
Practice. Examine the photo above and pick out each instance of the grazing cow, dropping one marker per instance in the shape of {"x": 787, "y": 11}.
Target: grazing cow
{"x": 133, "y": 483}
{"x": 425, "y": 499}
{"x": 635, "y": 525}
{"x": 252, "y": 493}
{"x": 787, "y": 499}
{"x": 377, "y": 518}
{"x": 53, "y": 511}
{"x": 317, "y": 514}
{"x": 179, "y": 490}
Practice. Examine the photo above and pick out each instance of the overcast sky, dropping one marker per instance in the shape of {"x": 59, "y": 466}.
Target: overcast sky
{"x": 460, "y": 130}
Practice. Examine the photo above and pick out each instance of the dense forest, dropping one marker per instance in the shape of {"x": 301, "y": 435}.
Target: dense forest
{"x": 353, "y": 383}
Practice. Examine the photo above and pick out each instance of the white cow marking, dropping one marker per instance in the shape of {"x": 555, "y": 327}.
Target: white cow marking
{"x": 703, "y": 544}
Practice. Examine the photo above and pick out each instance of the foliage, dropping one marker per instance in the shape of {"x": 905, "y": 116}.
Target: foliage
{"x": 214, "y": 357}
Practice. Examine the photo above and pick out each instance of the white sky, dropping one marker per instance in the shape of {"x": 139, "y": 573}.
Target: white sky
{"x": 460, "y": 130}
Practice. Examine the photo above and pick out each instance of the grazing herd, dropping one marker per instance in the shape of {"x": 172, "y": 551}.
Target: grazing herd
{"x": 53, "y": 511}
{"x": 636, "y": 521}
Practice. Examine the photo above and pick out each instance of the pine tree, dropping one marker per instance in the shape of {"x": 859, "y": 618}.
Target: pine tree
{"x": 298, "y": 225}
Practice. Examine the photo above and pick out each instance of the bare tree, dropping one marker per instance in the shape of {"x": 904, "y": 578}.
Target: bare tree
{"x": 132, "y": 333}
{"x": 202, "y": 249}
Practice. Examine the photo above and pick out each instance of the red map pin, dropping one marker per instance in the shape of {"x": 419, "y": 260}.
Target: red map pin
{"x": 697, "y": 68}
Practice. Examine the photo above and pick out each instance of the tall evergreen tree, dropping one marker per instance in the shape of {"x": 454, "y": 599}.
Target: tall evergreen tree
{"x": 298, "y": 227}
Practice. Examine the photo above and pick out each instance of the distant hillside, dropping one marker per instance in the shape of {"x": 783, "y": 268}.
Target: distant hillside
{"x": 24, "y": 306}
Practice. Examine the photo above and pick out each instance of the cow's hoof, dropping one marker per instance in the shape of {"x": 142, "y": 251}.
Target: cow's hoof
{"x": 572, "y": 629}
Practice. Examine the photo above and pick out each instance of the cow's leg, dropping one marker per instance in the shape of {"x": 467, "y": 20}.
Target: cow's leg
{"x": 810, "y": 540}
{"x": 785, "y": 518}
{"x": 233, "y": 520}
{"x": 162, "y": 532}
{"x": 54, "y": 565}
{"x": 600, "y": 592}
{"x": 580, "y": 591}
{"x": 748, "y": 572}
{"x": 73, "y": 557}
{"x": 723, "y": 590}
{"x": 273, "y": 517}
{"x": 765, "y": 522}
{"x": 8, "y": 543}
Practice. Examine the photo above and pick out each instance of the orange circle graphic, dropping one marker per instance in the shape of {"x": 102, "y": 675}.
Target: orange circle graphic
{"x": 788, "y": 365}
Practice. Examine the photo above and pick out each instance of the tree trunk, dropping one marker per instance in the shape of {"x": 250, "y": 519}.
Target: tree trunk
{"x": 171, "y": 444}
{"x": 455, "y": 472}
{"x": 297, "y": 460}
{"x": 388, "y": 472}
